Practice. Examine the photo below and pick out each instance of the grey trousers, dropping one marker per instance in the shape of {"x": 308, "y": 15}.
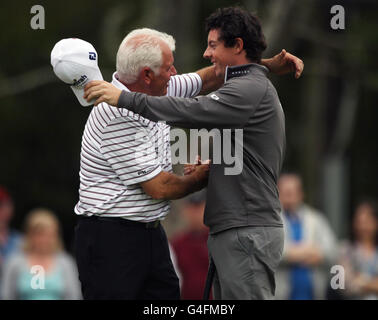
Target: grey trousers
{"x": 246, "y": 259}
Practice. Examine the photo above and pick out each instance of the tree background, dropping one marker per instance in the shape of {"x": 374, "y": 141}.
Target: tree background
{"x": 331, "y": 110}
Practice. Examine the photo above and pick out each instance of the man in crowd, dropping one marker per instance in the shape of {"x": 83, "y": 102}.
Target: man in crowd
{"x": 310, "y": 245}
{"x": 190, "y": 247}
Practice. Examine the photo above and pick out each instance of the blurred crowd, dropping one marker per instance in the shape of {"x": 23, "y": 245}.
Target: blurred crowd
{"x": 311, "y": 250}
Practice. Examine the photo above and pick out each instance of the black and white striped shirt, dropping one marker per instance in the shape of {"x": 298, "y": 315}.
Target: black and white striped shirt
{"x": 121, "y": 149}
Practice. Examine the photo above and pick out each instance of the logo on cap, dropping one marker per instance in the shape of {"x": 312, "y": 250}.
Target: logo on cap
{"x": 83, "y": 79}
{"x": 92, "y": 55}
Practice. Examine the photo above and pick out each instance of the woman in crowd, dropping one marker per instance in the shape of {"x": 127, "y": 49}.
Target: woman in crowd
{"x": 360, "y": 257}
{"x": 42, "y": 271}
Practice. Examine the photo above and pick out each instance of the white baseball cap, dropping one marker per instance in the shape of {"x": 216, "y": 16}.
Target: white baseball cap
{"x": 75, "y": 63}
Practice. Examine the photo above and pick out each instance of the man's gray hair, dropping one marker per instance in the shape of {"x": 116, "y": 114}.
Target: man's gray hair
{"x": 141, "y": 48}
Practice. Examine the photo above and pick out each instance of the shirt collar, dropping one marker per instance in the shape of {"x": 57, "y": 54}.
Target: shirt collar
{"x": 244, "y": 69}
{"x": 121, "y": 86}
{"x": 118, "y": 83}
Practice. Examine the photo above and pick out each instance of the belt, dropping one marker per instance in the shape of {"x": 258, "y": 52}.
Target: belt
{"x": 146, "y": 225}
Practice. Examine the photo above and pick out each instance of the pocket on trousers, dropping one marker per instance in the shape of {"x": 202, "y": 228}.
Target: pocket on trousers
{"x": 264, "y": 242}
{"x": 252, "y": 239}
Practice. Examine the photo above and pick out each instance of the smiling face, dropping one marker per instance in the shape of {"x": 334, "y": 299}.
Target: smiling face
{"x": 159, "y": 83}
{"x": 219, "y": 55}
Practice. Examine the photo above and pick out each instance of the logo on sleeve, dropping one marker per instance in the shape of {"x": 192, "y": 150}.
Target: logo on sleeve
{"x": 144, "y": 171}
{"x": 214, "y": 97}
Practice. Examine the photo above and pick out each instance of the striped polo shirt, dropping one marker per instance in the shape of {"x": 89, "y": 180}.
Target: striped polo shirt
{"x": 120, "y": 150}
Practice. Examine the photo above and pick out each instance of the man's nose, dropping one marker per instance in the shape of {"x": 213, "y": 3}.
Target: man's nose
{"x": 206, "y": 54}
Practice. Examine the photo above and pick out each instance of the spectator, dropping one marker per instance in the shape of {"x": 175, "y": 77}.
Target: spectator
{"x": 9, "y": 239}
{"x": 360, "y": 256}
{"x": 42, "y": 247}
{"x": 190, "y": 248}
{"x": 309, "y": 246}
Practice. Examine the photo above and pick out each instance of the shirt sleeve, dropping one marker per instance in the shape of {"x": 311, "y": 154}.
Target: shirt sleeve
{"x": 10, "y": 278}
{"x": 185, "y": 85}
{"x": 228, "y": 107}
{"x": 130, "y": 150}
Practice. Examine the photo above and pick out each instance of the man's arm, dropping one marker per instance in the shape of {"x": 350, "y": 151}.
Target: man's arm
{"x": 304, "y": 254}
{"x": 168, "y": 186}
{"x": 210, "y": 82}
{"x": 280, "y": 64}
{"x": 225, "y": 108}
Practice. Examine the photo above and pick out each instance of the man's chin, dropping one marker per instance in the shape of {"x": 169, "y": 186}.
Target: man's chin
{"x": 220, "y": 74}
{"x": 161, "y": 93}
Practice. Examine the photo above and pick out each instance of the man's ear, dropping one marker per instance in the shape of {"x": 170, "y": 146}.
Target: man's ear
{"x": 147, "y": 75}
{"x": 239, "y": 45}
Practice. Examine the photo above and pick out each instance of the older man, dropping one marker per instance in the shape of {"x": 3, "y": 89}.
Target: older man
{"x": 126, "y": 181}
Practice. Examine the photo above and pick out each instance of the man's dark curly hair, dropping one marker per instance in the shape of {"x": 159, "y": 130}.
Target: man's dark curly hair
{"x": 235, "y": 22}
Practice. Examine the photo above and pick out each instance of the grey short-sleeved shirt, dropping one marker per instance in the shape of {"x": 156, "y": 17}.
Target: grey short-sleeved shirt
{"x": 246, "y": 101}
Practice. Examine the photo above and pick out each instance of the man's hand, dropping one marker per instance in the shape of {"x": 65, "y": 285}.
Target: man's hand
{"x": 201, "y": 173}
{"x": 102, "y": 91}
{"x": 313, "y": 256}
{"x": 283, "y": 63}
{"x": 191, "y": 167}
